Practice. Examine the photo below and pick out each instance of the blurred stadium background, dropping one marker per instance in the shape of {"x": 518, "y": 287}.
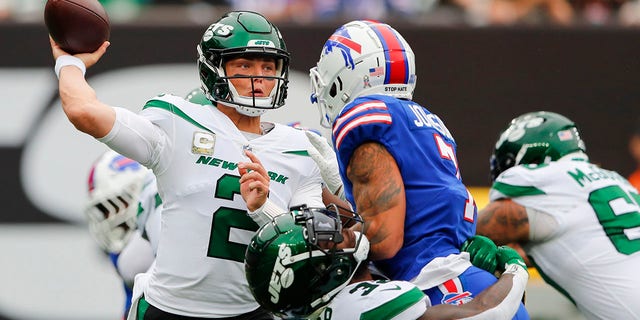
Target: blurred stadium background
{"x": 475, "y": 70}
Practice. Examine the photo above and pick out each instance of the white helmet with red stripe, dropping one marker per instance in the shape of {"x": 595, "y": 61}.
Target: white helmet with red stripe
{"x": 115, "y": 184}
{"x": 361, "y": 58}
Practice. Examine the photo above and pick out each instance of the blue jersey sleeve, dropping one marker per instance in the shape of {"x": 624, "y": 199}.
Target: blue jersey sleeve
{"x": 364, "y": 120}
{"x": 361, "y": 121}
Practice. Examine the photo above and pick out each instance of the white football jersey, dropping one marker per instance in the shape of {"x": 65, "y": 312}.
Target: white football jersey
{"x": 593, "y": 255}
{"x": 194, "y": 151}
{"x": 149, "y": 213}
{"x": 374, "y": 300}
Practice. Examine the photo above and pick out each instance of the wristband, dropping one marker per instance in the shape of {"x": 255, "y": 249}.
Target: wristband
{"x": 67, "y": 60}
{"x": 340, "y": 193}
{"x": 266, "y": 213}
{"x": 518, "y": 271}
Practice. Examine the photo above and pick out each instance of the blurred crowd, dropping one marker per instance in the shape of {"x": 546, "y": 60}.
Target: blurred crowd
{"x": 423, "y": 12}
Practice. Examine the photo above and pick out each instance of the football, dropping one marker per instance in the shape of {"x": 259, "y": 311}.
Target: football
{"x": 77, "y": 26}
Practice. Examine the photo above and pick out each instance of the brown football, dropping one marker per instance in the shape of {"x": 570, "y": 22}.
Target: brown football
{"x": 77, "y": 26}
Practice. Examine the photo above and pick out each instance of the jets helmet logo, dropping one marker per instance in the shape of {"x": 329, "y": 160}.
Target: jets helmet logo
{"x": 281, "y": 277}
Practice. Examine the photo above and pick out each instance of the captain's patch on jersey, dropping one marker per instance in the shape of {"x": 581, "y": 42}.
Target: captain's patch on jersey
{"x": 203, "y": 143}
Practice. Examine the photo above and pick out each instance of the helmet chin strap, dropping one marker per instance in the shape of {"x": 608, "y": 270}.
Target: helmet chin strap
{"x": 250, "y": 112}
{"x": 265, "y": 102}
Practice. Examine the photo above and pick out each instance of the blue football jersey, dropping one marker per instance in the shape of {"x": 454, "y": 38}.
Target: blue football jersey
{"x": 440, "y": 211}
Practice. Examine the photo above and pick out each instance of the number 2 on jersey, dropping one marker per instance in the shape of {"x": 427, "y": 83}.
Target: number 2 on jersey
{"x": 226, "y": 219}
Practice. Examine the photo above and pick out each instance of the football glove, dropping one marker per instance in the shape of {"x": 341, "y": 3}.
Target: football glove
{"x": 506, "y": 256}
{"x": 322, "y": 153}
{"x": 482, "y": 252}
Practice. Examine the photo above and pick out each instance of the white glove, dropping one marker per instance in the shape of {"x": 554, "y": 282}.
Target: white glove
{"x": 322, "y": 153}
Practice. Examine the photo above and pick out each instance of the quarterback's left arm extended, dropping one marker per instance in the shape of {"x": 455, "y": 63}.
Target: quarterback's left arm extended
{"x": 504, "y": 222}
{"x": 379, "y": 195}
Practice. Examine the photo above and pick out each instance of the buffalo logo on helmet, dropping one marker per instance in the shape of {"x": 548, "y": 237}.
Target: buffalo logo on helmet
{"x": 341, "y": 40}
{"x": 119, "y": 163}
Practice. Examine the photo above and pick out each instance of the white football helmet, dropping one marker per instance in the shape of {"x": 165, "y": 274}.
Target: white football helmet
{"x": 361, "y": 58}
{"x": 115, "y": 183}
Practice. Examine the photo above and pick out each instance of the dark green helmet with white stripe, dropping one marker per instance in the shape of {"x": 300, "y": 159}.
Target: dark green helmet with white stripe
{"x": 293, "y": 265}
{"x": 535, "y": 138}
{"x": 248, "y": 34}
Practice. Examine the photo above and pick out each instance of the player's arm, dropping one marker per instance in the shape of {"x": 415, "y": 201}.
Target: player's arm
{"x": 499, "y": 301}
{"x": 79, "y": 100}
{"x": 329, "y": 198}
{"x": 136, "y": 257}
{"x": 379, "y": 195}
{"x": 504, "y": 221}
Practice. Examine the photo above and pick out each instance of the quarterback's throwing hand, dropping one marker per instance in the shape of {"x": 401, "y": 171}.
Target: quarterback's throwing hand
{"x": 89, "y": 59}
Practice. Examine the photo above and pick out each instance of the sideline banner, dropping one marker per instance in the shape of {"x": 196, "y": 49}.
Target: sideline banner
{"x": 476, "y": 80}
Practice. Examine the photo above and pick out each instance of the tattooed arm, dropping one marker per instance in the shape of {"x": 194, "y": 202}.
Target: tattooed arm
{"x": 378, "y": 192}
{"x": 505, "y": 222}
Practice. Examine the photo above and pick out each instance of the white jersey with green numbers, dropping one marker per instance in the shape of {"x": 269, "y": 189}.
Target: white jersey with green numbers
{"x": 194, "y": 151}
{"x": 593, "y": 254}
{"x": 374, "y": 300}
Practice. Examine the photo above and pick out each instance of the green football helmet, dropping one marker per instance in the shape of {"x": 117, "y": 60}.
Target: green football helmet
{"x": 535, "y": 138}
{"x": 242, "y": 33}
{"x": 197, "y": 96}
{"x": 293, "y": 266}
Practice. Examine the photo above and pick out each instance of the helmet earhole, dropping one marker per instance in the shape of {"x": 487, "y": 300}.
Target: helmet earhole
{"x": 333, "y": 91}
